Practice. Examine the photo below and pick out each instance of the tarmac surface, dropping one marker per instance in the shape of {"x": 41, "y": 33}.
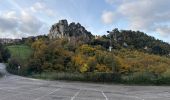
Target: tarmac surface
{"x": 14, "y": 87}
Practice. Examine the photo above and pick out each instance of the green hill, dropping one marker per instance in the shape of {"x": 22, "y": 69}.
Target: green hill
{"x": 133, "y": 40}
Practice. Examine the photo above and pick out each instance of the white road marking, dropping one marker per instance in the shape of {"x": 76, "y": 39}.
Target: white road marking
{"x": 135, "y": 97}
{"x": 104, "y": 95}
{"x": 48, "y": 94}
{"x": 129, "y": 96}
{"x": 75, "y": 95}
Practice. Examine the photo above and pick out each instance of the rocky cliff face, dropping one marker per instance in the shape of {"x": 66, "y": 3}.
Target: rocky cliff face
{"x": 73, "y": 30}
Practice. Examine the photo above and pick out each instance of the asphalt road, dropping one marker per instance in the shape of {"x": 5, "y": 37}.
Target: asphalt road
{"x": 19, "y": 88}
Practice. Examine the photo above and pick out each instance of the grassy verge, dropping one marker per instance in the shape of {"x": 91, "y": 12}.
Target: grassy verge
{"x": 137, "y": 79}
{"x": 88, "y": 77}
{"x": 145, "y": 79}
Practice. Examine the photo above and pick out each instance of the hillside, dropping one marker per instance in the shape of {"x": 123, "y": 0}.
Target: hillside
{"x": 134, "y": 40}
{"x": 119, "y": 38}
{"x": 135, "y": 57}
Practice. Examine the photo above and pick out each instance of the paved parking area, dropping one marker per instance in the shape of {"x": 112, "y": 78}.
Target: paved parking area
{"x": 19, "y": 88}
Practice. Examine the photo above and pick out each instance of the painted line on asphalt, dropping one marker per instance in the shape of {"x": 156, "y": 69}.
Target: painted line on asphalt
{"x": 136, "y": 97}
{"x": 48, "y": 94}
{"x": 130, "y": 96}
{"x": 75, "y": 95}
{"x": 104, "y": 95}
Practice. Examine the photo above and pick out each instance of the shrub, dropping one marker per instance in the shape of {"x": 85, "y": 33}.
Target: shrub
{"x": 34, "y": 66}
{"x": 13, "y": 65}
{"x": 92, "y": 77}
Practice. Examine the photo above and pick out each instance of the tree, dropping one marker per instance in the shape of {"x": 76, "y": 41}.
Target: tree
{"x": 87, "y": 50}
{"x": 159, "y": 50}
{"x": 34, "y": 66}
{"x": 91, "y": 63}
{"x": 4, "y": 54}
{"x": 80, "y": 63}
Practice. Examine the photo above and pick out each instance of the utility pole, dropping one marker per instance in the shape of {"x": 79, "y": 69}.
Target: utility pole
{"x": 19, "y": 67}
{"x": 113, "y": 34}
{"x": 110, "y": 47}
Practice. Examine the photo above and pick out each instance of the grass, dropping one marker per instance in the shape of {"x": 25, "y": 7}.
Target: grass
{"x": 20, "y": 55}
{"x": 87, "y": 77}
{"x": 22, "y": 52}
{"x": 135, "y": 79}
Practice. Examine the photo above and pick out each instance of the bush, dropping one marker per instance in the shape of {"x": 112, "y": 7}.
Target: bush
{"x": 163, "y": 80}
{"x": 145, "y": 78}
{"x": 138, "y": 78}
{"x": 16, "y": 66}
{"x": 92, "y": 77}
{"x": 101, "y": 77}
{"x": 34, "y": 66}
{"x": 4, "y": 54}
{"x": 12, "y": 66}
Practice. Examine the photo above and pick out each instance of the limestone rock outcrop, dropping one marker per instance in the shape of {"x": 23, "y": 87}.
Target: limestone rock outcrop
{"x": 73, "y": 30}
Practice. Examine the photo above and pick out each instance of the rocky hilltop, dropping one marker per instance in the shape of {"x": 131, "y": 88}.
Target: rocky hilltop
{"x": 73, "y": 30}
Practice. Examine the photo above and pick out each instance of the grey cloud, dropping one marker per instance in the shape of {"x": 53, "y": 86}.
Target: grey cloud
{"x": 164, "y": 30}
{"x": 107, "y": 17}
{"x": 7, "y": 24}
{"x": 147, "y": 15}
{"x": 19, "y": 25}
{"x": 29, "y": 23}
{"x": 41, "y": 7}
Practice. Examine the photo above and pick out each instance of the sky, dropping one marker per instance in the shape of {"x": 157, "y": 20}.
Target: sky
{"x": 22, "y": 18}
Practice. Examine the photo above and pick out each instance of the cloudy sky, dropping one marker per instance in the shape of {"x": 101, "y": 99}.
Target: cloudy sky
{"x": 20, "y": 18}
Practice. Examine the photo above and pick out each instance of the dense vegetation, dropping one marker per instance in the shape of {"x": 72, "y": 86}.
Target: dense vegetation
{"x": 4, "y": 54}
{"x": 134, "y": 40}
{"x": 70, "y": 60}
{"x": 20, "y": 54}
